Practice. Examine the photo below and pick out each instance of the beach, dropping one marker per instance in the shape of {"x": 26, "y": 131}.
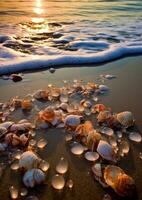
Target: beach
{"x": 125, "y": 93}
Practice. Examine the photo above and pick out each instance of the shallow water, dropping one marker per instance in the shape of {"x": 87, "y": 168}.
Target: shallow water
{"x": 67, "y": 32}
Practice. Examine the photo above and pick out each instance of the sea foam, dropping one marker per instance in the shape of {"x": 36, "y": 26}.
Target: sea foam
{"x": 13, "y": 62}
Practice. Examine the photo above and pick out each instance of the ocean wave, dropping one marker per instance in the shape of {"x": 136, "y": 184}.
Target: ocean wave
{"x": 12, "y": 62}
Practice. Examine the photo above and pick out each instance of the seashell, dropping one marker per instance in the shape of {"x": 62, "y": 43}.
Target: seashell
{"x": 33, "y": 177}
{"x": 98, "y": 174}
{"x": 47, "y": 115}
{"x": 106, "y": 151}
{"x": 86, "y": 104}
{"x": 26, "y": 104}
{"x": 3, "y": 147}
{"x": 116, "y": 178}
{"x": 16, "y": 102}
{"x": 91, "y": 85}
{"x": 16, "y": 77}
{"x": 3, "y": 131}
{"x": 6, "y": 124}
{"x": 29, "y": 160}
{"x": 98, "y": 108}
{"x": 72, "y": 120}
{"x": 125, "y": 118}
{"x": 84, "y": 129}
{"x": 103, "y": 88}
{"x": 23, "y": 139}
{"x": 64, "y": 106}
{"x": 21, "y": 127}
{"x": 104, "y": 116}
{"x": 12, "y": 139}
{"x": 41, "y": 94}
{"x": 93, "y": 139}
{"x": 52, "y": 70}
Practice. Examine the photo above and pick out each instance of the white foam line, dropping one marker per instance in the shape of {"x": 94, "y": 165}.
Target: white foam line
{"x": 50, "y": 61}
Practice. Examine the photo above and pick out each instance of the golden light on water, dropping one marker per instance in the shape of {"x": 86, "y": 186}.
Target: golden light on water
{"x": 38, "y": 11}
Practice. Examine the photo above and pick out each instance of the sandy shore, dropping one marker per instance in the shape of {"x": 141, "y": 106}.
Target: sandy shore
{"x": 125, "y": 94}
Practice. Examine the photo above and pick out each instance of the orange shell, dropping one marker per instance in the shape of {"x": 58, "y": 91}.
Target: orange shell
{"x": 47, "y": 115}
{"x": 124, "y": 185}
{"x": 26, "y": 104}
{"x": 84, "y": 129}
{"x": 98, "y": 108}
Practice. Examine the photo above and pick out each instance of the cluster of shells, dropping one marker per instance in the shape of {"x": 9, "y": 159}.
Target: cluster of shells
{"x": 103, "y": 140}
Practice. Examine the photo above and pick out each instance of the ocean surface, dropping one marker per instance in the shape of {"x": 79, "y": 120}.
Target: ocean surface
{"x": 37, "y": 34}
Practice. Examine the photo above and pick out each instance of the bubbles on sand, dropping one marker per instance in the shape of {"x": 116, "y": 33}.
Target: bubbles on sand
{"x": 58, "y": 182}
{"x": 70, "y": 184}
{"x": 62, "y": 166}
{"x": 13, "y": 192}
{"x": 23, "y": 192}
{"x": 91, "y": 156}
{"x": 44, "y": 166}
{"x": 135, "y": 136}
{"x": 77, "y": 148}
{"x": 15, "y": 165}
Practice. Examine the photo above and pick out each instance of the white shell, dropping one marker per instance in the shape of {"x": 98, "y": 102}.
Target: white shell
{"x": 105, "y": 150}
{"x": 72, "y": 120}
{"x": 125, "y": 118}
{"x": 33, "y": 177}
{"x": 103, "y": 88}
{"x": 6, "y": 124}
{"x": 28, "y": 160}
{"x": 21, "y": 127}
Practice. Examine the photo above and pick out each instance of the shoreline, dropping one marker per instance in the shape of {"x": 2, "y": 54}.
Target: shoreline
{"x": 125, "y": 94}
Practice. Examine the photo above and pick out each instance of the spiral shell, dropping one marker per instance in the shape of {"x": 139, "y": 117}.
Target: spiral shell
{"x": 33, "y": 177}
{"x": 125, "y": 118}
{"x": 28, "y": 160}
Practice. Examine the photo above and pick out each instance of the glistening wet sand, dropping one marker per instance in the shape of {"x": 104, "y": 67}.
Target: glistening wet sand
{"x": 125, "y": 94}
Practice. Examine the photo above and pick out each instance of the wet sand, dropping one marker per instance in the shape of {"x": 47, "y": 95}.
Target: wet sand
{"x": 125, "y": 94}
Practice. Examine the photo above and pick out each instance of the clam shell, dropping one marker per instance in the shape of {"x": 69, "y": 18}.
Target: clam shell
{"x": 33, "y": 177}
{"x": 121, "y": 183}
{"x": 111, "y": 174}
{"x": 105, "y": 150}
{"x": 28, "y": 160}
{"x": 7, "y": 124}
{"x": 72, "y": 120}
{"x": 125, "y": 118}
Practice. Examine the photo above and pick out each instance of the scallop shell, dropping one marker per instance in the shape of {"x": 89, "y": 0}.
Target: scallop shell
{"x": 41, "y": 94}
{"x": 29, "y": 160}
{"x": 106, "y": 151}
{"x": 33, "y": 177}
{"x": 47, "y": 115}
{"x": 72, "y": 120}
{"x": 104, "y": 116}
{"x": 121, "y": 183}
{"x": 84, "y": 129}
{"x": 125, "y": 118}
{"x": 93, "y": 139}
